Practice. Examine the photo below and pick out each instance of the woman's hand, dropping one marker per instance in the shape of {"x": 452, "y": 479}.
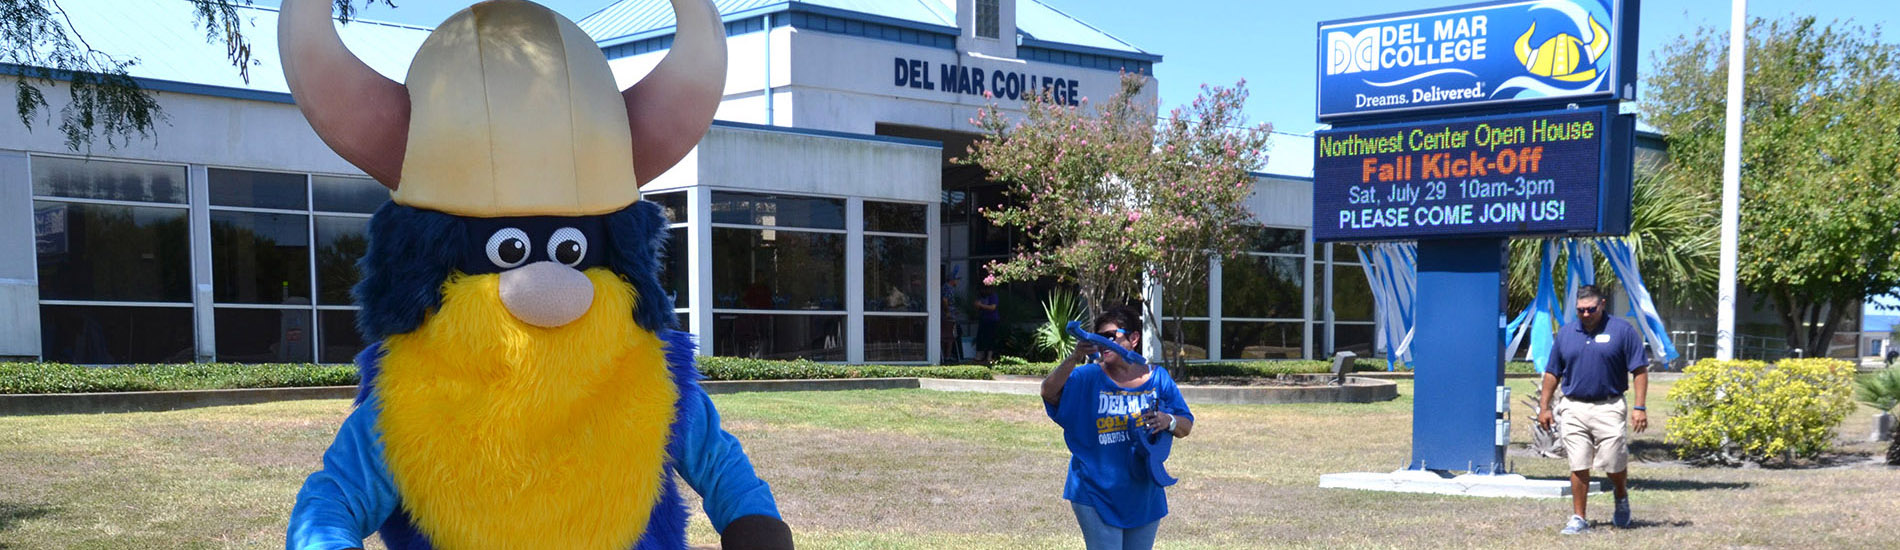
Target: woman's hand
{"x": 1156, "y": 421}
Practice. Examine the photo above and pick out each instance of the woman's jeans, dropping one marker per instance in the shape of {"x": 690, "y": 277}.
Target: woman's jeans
{"x": 1102, "y": 536}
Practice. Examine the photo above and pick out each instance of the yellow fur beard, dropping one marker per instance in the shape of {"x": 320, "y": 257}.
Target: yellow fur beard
{"x": 501, "y": 434}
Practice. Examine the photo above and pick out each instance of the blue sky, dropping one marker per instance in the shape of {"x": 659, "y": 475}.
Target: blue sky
{"x": 1271, "y": 43}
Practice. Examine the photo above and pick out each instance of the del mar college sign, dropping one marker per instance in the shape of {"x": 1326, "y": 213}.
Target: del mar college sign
{"x": 1553, "y": 172}
{"x": 1478, "y": 55}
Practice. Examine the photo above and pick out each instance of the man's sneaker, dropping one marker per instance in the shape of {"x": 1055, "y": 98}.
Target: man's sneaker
{"x": 1622, "y": 517}
{"x": 1576, "y": 526}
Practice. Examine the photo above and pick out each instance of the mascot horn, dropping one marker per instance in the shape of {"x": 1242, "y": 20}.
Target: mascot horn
{"x": 526, "y": 388}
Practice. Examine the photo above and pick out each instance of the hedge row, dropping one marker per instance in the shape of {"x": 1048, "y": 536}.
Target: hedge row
{"x": 745, "y": 368}
{"x": 65, "y": 378}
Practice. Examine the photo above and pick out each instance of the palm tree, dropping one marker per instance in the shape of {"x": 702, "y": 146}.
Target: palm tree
{"x": 1673, "y": 231}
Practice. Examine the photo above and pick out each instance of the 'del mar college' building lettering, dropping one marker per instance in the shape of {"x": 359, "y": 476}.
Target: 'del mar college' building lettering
{"x": 997, "y": 83}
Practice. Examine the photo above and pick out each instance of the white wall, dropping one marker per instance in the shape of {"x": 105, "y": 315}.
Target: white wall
{"x": 829, "y": 81}
{"x": 779, "y": 161}
{"x": 19, "y": 281}
{"x": 197, "y": 129}
{"x": 1282, "y": 202}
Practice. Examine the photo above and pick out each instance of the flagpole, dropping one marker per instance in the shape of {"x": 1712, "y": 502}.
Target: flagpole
{"x": 1731, "y": 181}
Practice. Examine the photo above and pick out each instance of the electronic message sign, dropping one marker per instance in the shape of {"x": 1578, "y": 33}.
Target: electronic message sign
{"x": 1553, "y": 172}
{"x": 1477, "y": 56}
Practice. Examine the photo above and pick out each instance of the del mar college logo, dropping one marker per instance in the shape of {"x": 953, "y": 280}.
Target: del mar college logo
{"x": 1516, "y": 50}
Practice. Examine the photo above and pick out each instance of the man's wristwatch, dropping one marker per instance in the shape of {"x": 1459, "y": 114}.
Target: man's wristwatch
{"x": 1171, "y": 419}
{"x": 1640, "y": 408}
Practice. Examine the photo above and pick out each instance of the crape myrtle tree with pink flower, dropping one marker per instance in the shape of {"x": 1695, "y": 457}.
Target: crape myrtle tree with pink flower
{"x": 1107, "y": 195}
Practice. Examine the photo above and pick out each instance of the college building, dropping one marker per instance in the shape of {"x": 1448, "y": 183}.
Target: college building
{"x": 821, "y": 217}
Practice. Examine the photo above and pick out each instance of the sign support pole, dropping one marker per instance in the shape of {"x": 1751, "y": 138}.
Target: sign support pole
{"x": 1459, "y": 348}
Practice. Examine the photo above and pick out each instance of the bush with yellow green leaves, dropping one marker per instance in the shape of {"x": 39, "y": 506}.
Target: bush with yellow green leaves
{"x": 1736, "y": 411}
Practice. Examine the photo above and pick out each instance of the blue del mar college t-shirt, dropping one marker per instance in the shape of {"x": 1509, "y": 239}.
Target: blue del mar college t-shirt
{"x": 1099, "y": 422}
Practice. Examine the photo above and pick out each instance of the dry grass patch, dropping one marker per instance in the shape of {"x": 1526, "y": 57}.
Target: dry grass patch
{"x": 915, "y": 469}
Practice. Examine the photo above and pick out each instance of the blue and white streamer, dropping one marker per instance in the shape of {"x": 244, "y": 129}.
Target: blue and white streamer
{"x": 1643, "y": 310}
{"x": 1392, "y": 272}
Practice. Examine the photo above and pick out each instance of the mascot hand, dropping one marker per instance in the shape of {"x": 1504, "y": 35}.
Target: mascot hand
{"x": 757, "y": 533}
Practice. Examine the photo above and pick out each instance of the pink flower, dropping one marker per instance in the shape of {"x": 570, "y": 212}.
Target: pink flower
{"x": 989, "y": 280}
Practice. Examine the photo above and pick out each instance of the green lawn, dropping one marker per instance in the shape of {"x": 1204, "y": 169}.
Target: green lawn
{"x": 920, "y": 469}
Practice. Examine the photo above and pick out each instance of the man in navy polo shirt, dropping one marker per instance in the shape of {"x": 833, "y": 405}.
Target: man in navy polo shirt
{"x": 1594, "y": 359}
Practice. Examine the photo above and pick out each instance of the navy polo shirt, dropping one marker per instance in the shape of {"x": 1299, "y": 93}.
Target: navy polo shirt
{"x": 1597, "y": 366}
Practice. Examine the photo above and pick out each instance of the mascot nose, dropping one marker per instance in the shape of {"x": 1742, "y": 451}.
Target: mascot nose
{"x": 546, "y": 294}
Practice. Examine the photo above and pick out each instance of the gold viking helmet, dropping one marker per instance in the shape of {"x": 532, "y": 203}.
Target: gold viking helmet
{"x": 509, "y": 109}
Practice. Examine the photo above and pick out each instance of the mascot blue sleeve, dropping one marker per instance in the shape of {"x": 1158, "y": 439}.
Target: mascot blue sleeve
{"x": 711, "y": 460}
{"x": 351, "y": 496}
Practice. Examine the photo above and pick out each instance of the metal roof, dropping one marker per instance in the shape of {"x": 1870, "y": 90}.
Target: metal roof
{"x": 1036, "y": 23}
{"x": 162, "y": 35}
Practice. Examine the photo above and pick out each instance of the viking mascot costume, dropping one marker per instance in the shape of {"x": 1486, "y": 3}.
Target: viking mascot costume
{"x": 526, "y": 388}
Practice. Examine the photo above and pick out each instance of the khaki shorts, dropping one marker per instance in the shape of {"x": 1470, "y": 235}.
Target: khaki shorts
{"x": 1594, "y": 434}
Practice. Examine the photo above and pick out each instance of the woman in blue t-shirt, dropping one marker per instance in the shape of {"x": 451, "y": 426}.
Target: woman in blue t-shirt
{"x": 1107, "y": 409}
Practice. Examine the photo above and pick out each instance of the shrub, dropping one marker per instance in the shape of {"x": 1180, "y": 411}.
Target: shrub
{"x": 1053, "y": 337}
{"x": 1730, "y": 411}
{"x": 1880, "y": 390}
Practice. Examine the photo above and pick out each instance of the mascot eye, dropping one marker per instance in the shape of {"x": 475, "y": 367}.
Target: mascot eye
{"x": 508, "y": 247}
{"x": 567, "y": 246}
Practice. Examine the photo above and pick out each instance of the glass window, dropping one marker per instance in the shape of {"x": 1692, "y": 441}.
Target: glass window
{"x": 988, "y": 18}
{"x": 264, "y": 335}
{"x": 257, "y": 189}
{"x": 673, "y": 268}
{"x": 776, "y": 210}
{"x": 116, "y": 334}
{"x": 1356, "y": 338}
{"x": 766, "y": 336}
{"x": 357, "y": 195}
{"x": 341, "y": 241}
{"x": 260, "y": 258}
{"x": 892, "y": 217}
{"x": 1190, "y": 301}
{"x": 894, "y": 273}
{"x": 111, "y": 252}
{"x": 1319, "y": 290}
{"x": 106, "y": 180}
{"x": 339, "y": 340}
{"x": 772, "y": 269}
{"x": 1262, "y": 287}
{"x": 889, "y": 338}
{"x": 1277, "y": 240}
{"x": 1261, "y": 340}
{"x": 986, "y": 238}
{"x": 1352, "y": 296}
{"x": 674, "y": 204}
{"x": 1189, "y": 336}
{"x": 1345, "y": 253}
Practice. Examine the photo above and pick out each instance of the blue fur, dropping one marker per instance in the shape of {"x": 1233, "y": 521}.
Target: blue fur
{"x": 638, "y": 235}
{"x": 411, "y": 253}
{"x": 666, "y": 530}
